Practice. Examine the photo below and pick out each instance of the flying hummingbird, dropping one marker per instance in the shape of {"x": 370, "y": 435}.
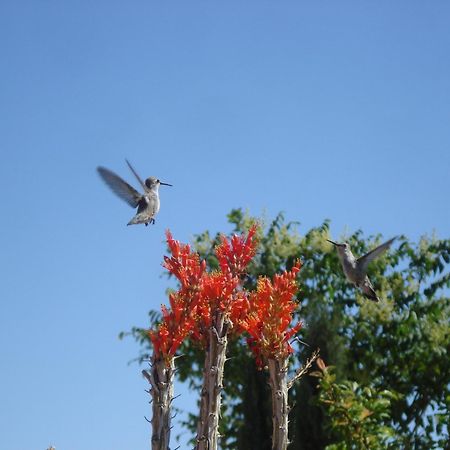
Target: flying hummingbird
{"x": 147, "y": 204}
{"x": 355, "y": 269}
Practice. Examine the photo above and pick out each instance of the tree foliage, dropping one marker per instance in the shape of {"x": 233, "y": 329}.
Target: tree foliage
{"x": 358, "y": 416}
{"x": 388, "y": 357}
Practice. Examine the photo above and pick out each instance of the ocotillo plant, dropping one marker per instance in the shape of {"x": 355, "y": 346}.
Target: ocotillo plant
{"x": 177, "y": 322}
{"x": 207, "y": 308}
{"x": 268, "y": 324}
{"x": 224, "y": 306}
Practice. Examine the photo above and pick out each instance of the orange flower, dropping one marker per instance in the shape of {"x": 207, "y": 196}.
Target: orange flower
{"x": 202, "y": 294}
{"x": 270, "y": 316}
{"x": 183, "y": 264}
{"x": 178, "y": 320}
{"x": 235, "y": 254}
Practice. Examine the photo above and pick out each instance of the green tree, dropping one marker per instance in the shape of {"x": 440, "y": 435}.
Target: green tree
{"x": 357, "y": 415}
{"x": 397, "y": 347}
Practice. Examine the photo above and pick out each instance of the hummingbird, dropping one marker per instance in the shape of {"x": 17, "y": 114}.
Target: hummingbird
{"x": 355, "y": 269}
{"x": 147, "y": 204}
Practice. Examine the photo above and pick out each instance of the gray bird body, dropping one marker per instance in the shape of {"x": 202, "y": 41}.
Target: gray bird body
{"x": 355, "y": 269}
{"x": 147, "y": 204}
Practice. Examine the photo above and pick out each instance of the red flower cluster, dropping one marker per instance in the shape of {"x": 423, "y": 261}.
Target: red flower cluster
{"x": 217, "y": 294}
{"x": 270, "y": 315}
{"x": 235, "y": 254}
{"x": 178, "y": 321}
{"x": 265, "y": 314}
{"x": 176, "y": 324}
{"x": 202, "y": 293}
{"x": 183, "y": 264}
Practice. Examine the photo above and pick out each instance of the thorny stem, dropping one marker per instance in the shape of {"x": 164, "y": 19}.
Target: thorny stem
{"x": 160, "y": 377}
{"x": 280, "y": 409}
{"x": 207, "y": 428}
{"x": 280, "y": 385}
{"x": 300, "y": 372}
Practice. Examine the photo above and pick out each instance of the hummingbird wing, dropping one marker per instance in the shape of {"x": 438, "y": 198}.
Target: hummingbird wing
{"x": 365, "y": 260}
{"x": 137, "y": 176}
{"x": 120, "y": 187}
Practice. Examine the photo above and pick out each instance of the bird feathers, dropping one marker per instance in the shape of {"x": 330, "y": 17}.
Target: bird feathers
{"x": 120, "y": 187}
{"x": 365, "y": 260}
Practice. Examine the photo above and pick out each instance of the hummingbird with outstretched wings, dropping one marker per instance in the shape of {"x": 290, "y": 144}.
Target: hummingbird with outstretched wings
{"x": 147, "y": 204}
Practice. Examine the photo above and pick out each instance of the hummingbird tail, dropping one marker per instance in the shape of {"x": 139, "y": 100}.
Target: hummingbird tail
{"x": 374, "y": 298}
{"x": 139, "y": 218}
{"x": 371, "y": 295}
{"x": 368, "y": 290}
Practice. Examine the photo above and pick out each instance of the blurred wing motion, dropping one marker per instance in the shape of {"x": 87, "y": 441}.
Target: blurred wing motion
{"x": 365, "y": 260}
{"x": 137, "y": 176}
{"x": 120, "y": 187}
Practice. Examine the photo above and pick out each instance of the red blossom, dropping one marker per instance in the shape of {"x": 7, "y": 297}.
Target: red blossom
{"x": 218, "y": 292}
{"x": 178, "y": 321}
{"x": 202, "y": 294}
{"x": 239, "y": 311}
{"x": 234, "y": 254}
{"x": 217, "y": 289}
{"x": 183, "y": 264}
{"x": 270, "y": 316}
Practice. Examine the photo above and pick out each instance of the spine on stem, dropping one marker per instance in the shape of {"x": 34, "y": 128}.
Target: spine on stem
{"x": 280, "y": 409}
{"x": 215, "y": 355}
{"x": 160, "y": 377}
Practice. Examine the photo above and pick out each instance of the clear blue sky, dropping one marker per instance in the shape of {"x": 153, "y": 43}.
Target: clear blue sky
{"x": 326, "y": 109}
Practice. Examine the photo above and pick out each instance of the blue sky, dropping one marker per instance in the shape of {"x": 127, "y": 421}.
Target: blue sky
{"x": 327, "y": 109}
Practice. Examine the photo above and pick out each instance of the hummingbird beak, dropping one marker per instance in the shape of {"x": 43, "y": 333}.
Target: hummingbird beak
{"x": 334, "y": 243}
{"x": 165, "y": 184}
